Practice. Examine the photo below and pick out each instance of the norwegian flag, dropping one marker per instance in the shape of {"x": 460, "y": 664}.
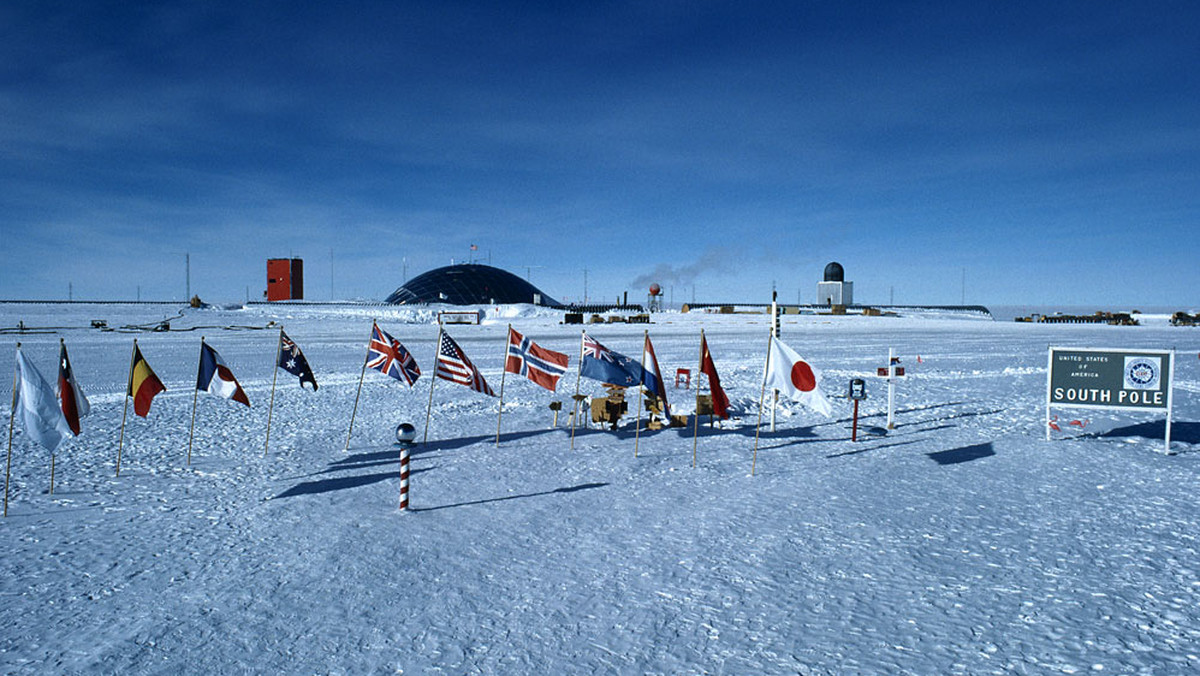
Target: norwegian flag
{"x": 454, "y": 366}
{"x": 386, "y": 355}
{"x": 529, "y": 359}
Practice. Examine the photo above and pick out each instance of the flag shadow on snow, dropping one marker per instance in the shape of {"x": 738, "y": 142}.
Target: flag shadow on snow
{"x": 342, "y": 483}
{"x": 880, "y": 447}
{"x": 964, "y": 454}
{"x": 460, "y": 442}
{"x": 485, "y": 501}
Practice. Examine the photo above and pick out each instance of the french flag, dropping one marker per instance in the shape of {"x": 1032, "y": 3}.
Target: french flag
{"x": 216, "y": 378}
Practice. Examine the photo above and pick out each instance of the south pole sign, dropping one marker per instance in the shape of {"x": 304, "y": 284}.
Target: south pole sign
{"x": 1128, "y": 380}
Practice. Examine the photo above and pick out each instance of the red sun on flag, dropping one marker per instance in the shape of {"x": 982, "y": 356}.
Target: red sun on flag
{"x": 803, "y": 377}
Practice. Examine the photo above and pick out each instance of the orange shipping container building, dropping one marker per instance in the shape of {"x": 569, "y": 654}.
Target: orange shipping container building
{"x": 285, "y": 279}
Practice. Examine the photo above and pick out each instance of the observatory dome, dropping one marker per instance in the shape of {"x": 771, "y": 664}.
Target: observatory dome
{"x": 835, "y": 273}
{"x": 468, "y": 284}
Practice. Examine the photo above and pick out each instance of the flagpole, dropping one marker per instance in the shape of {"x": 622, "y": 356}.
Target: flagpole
{"x": 758, "y": 427}
{"x": 195, "y": 395}
{"x": 274, "y": 377}
{"x": 696, "y": 427}
{"x": 125, "y": 409}
{"x": 11, "y": 419}
{"x": 638, "y": 433}
{"x": 578, "y": 373}
{"x": 62, "y": 347}
{"x": 361, "y": 375}
{"x": 437, "y": 346}
{"x": 503, "y": 372}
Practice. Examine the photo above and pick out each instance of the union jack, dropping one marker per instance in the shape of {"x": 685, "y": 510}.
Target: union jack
{"x": 529, "y": 359}
{"x": 454, "y": 366}
{"x": 386, "y": 355}
{"x": 593, "y": 349}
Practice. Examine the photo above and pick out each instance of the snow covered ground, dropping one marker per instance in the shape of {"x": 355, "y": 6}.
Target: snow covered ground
{"x": 961, "y": 542}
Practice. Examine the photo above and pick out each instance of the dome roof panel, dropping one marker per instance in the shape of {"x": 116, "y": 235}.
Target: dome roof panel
{"x": 468, "y": 284}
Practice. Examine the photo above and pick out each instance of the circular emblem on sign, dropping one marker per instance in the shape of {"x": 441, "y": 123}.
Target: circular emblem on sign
{"x": 803, "y": 377}
{"x": 1142, "y": 373}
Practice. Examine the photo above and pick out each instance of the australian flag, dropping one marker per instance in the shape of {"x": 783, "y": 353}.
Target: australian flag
{"x": 614, "y": 368}
{"x": 292, "y": 360}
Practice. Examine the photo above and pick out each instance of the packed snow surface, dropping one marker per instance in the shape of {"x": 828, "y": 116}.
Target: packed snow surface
{"x": 960, "y": 542}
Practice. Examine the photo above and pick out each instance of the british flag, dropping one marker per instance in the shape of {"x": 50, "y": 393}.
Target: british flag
{"x": 533, "y": 361}
{"x": 453, "y": 365}
{"x": 386, "y": 355}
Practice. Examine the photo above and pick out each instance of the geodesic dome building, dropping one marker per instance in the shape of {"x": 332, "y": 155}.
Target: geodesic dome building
{"x": 469, "y": 284}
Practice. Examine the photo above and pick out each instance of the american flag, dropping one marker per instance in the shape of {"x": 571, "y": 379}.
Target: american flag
{"x": 454, "y": 366}
{"x": 386, "y": 355}
{"x": 533, "y": 361}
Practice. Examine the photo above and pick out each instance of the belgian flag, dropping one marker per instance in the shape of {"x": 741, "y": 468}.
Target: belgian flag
{"x": 143, "y": 384}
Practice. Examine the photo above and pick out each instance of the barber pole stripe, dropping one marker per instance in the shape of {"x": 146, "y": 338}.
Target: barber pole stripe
{"x": 403, "y": 479}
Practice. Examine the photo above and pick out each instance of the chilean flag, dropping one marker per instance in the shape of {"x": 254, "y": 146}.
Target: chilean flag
{"x": 216, "y": 378}
{"x": 74, "y": 404}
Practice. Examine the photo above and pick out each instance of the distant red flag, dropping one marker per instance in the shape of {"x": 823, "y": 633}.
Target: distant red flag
{"x": 720, "y": 401}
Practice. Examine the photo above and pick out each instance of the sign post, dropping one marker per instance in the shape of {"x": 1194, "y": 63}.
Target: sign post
{"x": 858, "y": 392}
{"x": 1130, "y": 380}
{"x": 891, "y": 372}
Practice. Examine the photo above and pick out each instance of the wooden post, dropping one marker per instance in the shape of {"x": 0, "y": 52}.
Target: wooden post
{"x": 758, "y": 427}
{"x": 437, "y": 350}
{"x": 125, "y": 408}
{"x": 359, "y": 392}
{"x": 575, "y": 398}
{"x": 195, "y": 395}
{"x": 274, "y": 377}
{"x": 854, "y": 427}
{"x": 638, "y": 433}
{"x": 503, "y": 372}
{"x": 696, "y": 426}
{"x": 11, "y": 419}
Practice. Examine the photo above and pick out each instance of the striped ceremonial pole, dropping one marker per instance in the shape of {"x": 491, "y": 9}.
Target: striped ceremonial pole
{"x": 404, "y": 478}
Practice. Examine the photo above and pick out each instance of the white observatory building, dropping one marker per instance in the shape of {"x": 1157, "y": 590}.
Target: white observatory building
{"x": 835, "y": 290}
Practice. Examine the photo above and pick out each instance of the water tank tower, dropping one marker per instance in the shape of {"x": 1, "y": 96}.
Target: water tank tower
{"x": 654, "y": 299}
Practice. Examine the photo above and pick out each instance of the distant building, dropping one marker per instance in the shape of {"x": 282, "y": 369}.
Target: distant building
{"x": 285, "y": 279}
{"x": 835, "y": 290}
{"x": 469, "y": 284}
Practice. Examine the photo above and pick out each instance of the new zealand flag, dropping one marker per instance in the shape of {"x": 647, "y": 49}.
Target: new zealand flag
{"x": 614, "y": 368}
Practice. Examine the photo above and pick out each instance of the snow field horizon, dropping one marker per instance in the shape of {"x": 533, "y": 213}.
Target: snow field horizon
{"x": 961, "y": 542}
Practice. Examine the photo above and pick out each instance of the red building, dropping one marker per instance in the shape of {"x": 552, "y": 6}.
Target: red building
{"x": 285, "y": 279}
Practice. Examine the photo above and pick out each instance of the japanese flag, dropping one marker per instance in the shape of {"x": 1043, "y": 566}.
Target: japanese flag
{"x": 795, "y": 378}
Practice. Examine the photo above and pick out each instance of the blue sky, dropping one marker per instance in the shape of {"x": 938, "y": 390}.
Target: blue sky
{"x": 1047, "y": 153}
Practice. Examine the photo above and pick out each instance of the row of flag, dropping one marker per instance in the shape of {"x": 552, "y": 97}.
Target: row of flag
{"x": 49, "y": 416}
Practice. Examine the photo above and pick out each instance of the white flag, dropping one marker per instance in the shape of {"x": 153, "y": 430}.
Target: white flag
{"x": 795, "y": 378}
{"x": 38, "y": 406}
